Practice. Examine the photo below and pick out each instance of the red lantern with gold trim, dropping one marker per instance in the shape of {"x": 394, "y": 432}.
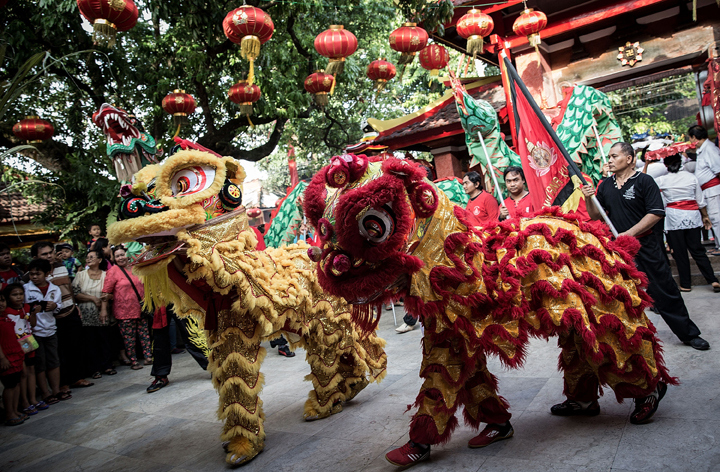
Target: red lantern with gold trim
{"x": 380, "y": 72}
{"x": 433, "y": 58}
{"x": 245, "y": 94}
{"x": 179, "y": 104}
{"x": 251, "y": 27}
{"x": 474, "y": 26}
{"x": 530, "y": 23}
{"x": 336, "y": 44}
{"x": 108, "y": 17}
{"x": 33, "y": 130}
{"x": 319, "y": 84}
{"x": 408, "y": 40}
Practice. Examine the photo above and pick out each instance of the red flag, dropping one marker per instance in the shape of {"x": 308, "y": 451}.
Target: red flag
{"x": 545, "y": 167}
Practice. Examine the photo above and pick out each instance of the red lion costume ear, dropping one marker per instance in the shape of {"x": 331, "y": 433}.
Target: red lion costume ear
{"x": 404, "y": 169}
{"x": 345, "y": 169}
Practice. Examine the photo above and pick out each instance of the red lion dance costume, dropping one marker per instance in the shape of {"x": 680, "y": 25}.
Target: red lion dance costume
{"x": 388, "y": 233}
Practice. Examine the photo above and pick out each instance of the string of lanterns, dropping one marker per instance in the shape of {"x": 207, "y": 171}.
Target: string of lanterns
{"x": 251, "y": 27}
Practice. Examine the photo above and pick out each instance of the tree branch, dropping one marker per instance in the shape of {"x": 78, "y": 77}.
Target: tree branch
{"x": 227, "y": 149}
{"x": 202, "y": 94}
{"x": 298, "y": 45}
{"x": 50, "y": 154}
{"x": 334, "y": 122}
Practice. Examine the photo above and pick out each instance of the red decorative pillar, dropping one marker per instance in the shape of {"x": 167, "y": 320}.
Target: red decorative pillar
{"x": 446, "y": 162}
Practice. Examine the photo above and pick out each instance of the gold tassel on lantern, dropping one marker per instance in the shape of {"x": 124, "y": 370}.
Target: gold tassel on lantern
{"x": 475, "y": 45}
{"x": 406, "y": 58}
{"x": 332, "y": 87}
{"x": 250, "y": 50}
{"x": 180, "y": 119}
{"x": 104, "y": 33}
{"x": 246, "y": 108}
{"x": 335, "y": 66}
{"x": 322, "y": 99}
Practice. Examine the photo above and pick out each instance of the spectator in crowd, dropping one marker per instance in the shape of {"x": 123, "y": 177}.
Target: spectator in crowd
{"x": 88, "y": 286}
{"x": 38, "y": 291}
{"x": 95, "y": 232}
{"x": 126, "y": 291}
{"x": 685, "y": 215}
{"x": 103, "y": 245}
{"x": 707, "y": 171}
{"x": 24, "y": 318}
{"x": 9, "y": 274}
{"x": 518, "y": 203}
{"x": 65, "y": 252}
{"x": 11, "y": 367}
{"x": 632, "y": 201}
{"x": 482, "y": 207}
{"x": 69, "y": 323}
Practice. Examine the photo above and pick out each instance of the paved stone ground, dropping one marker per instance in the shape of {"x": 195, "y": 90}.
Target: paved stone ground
{"x": 116, "y": 426}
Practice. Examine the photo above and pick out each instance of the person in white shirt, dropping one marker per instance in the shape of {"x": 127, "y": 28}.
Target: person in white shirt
{"x": 47, "y": 361}
{"x": 685, "y": 215}
{"x": 707, "y": 171}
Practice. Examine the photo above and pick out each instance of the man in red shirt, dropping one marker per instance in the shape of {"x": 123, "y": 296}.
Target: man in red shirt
{"x": 482, "y": 207}
{"x": 518, "y": 204}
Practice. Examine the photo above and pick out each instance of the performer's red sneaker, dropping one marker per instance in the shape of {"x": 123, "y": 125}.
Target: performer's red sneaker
{"x": 409, "y": 454}
{"x": 646, "y": 407}
{"x": 492, "y": 433}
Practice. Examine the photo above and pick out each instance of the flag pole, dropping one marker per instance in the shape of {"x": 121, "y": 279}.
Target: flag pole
{"x": 572, "y": 166}
{"x": 599, "y": 145}
{"x": 491, "y": 169}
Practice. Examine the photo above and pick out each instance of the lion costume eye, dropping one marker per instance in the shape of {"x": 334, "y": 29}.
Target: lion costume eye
{"x": 192, "y": 180}
{"x": 377, "y": 225}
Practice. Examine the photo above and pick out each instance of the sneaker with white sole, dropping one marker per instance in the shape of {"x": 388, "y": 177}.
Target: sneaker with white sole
{"x": 409, "y": 454}
{"x": 404, "y": 328}
{"x": 492, "y": 433}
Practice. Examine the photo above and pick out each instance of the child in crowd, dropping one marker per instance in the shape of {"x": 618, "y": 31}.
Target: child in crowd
{"x": 47, "y": 361}
{"x": 8, "y": 273}
{"x": 65, "y": 252}
{"x": 95, "y": 232}
{"x": 11, "y": 366}
{"x": 24, "y": 318}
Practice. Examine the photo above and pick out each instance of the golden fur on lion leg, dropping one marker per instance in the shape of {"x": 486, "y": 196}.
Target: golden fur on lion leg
{"x": 241, "y": 450}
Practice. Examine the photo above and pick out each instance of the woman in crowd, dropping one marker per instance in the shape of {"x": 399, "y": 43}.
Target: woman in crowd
{"x": 685, "y": 215}
{"x": 103, "y": 245}
{"x": 88, "y": 286}
{"x": 126, "y": 291}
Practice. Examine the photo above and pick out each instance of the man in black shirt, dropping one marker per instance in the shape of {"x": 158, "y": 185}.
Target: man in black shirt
{"x": 633, "y": 203}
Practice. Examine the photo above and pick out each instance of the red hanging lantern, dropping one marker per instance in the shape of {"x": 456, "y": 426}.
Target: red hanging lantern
{"x": 530, "y": 23}
{"x": 433, "y": 58}
{"x": 408, "y": 39}
{"x": 319, "y": 84}
{"x": 108, "y": 17}
{"x": 336, "y": 44}
{"x": 179, "y": 104}
{"x": 33, "y": 130}
{"x": 251, "y": 27}
{"x": 474, "y": 26}
{"x": 245, "y": 95}
{"x": 380, "y": 72}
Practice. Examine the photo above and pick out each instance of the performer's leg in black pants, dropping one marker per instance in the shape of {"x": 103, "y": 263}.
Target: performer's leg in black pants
{"x": 676, "y": 240}
{"x": 162, "y": 357}
{"x": 663, "y": 289}
{"x": 697, "y": 251}
{"x": 193, "y": 337}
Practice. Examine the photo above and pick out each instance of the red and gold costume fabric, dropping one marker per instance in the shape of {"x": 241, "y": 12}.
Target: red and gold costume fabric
{"x": 480, "y": 293}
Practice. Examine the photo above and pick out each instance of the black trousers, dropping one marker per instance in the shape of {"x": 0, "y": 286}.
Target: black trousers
{"x": 409, "y": 320}
{"x": 681, "y": 242}
{"x": 652, "y": 260}
{"x": 162, "y": 356}
{"x": 70, "y": 348}
{"x": 98, "y": 351}
{"x": 192, "y": 336}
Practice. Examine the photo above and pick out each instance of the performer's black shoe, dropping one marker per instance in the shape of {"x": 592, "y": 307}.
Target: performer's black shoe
{"x": 646, "y": 407}
{"x": 285, "y": 351}
{"x": 698, "y": 343}
{"x": 573, "y": 408}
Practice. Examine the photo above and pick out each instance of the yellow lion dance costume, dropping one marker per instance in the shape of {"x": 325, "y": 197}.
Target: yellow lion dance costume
{"x": 388, "y": 233}
{"x": 201, "y": 259}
